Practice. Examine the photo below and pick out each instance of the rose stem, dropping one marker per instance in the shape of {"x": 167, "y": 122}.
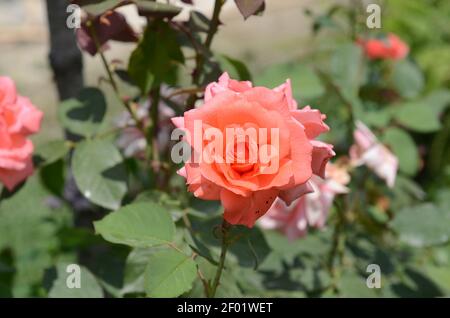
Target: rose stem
{"x": 199, "y": 60}
{"x": 225, "y": 229}
{"x": 111, "y": 77}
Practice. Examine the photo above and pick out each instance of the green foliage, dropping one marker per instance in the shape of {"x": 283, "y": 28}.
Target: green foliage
{"x": 417, "y": 117}
{"x": 50, "y": 152}
{"x": 83, "y": 115}
{"x": 347, "y": 69}
{"x": 423, "y": 225}
{"x": 169, "y": 273}
{"x": 88, "y": 288}
{"x": 139, "y": 225}
{"x": 407, "y": 79}
{"x": 305, "y": 83}
{"x": 155, "y": 58}
{"x": 134, "y": 229}
{"x": 99, "y": 172}
{"x": 404, "y": 148}
{"x": 28, "y": 230}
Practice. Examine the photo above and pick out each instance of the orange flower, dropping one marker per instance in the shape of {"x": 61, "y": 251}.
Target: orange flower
{"x": 390, "y": 48}
{"x": 244, "y": 175}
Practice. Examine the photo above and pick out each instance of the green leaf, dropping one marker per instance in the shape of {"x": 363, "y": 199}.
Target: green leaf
{"x": 437, "y": 100}
{"x": 96, "y": 7}
{"x": 353, "y": 285}
{"x": 89, "y": 286}
{"x": 417, "y": 116}
{"x": 240, "y": 70}
{"x": 378, "y": 118}
{"x": 437, "y": 73}
{"x": 29, "y": 229}
{"x": 133, "y": 280}
{"x": 443, "y": 198}
{"x": 228, "y": 287}
{"x": 53, "y": 177}
{"x": 404, "y": 148}
{"x": 305, "y": 82}
{"x": 440, "y": 276}
{"x": 422, "y": 225}
{"x": 377, "y": 214}
{"x": 407, "y": 79}
{"x": 414, "y": 283}
{"x": 157, "y": 9}
{"x": 156, "y": 57}
{"x": 314, "y": 245}
{"x": 169, "y": 273}
{"x": 50, "y": 152}
{"x": 251, "y": 247}
{"x": 83, "y": 115}
{"x": 143, "y": 224}
{"x": 198, "y": 22}
{"x": 405, "y": 192}
{"x": 99, "y": 173}
{"x": 312, "y": 278}
{"x": 346, "y": 68}
{"x": 248, "y": 247}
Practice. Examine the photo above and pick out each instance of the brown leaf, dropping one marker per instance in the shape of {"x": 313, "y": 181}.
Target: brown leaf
{"x": 249, "y": 7}
{"x": 109, "y": 26}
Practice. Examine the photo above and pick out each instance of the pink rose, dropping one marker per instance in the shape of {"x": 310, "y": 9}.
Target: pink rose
{"x": 310, "y": 210}
{"x": 244, "y": 175}
{"x": 18, "y": 119}
{"x": 390, "y": 48}
{"x": 368, "y": 151}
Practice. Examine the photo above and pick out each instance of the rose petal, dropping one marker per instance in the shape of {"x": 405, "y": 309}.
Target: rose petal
{"x": 246, "y": 210}
{"x": 11, "y": 178}
{"x": 321, "y": 154}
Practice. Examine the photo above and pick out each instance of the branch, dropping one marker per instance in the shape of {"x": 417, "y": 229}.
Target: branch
{"x": 200, "y": 60}
{"x": 112, "y": 81}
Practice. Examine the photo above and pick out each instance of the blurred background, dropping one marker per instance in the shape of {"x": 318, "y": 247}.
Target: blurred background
{"x": 290, "y": 39}
{"x": 280, "y": 35}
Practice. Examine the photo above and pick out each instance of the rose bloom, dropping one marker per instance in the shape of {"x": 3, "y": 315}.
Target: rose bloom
{"x": 390, "y": 48}
{"x": 310, "y": 210}
{"x": 248, "y": 189}
{"x": 368, "y": 151}
{"x": 18, "y": 119}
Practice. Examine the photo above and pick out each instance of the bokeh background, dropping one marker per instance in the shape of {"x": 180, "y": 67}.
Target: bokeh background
{"x": 281, "y": 35}
{"x": 270, "y": 45}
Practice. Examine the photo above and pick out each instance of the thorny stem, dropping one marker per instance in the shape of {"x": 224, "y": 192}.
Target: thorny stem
{"x": 214, "y": 22}
{"x": 187, "y": 90}
{"x": 337, "y": 248}
{"x": 204, "y": 281}
{"x": 225, "y": 229}
{"x": 112, "y": 81}
{"x": 153, "y": 132}
{"x": 200, "y": 60}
